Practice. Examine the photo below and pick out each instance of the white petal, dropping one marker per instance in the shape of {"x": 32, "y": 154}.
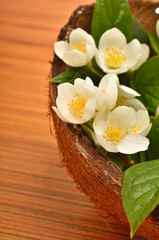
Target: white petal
{"x": 157, "y": 28}
{"x": 91, "y": 41}
{"x": 108, "y": 146}
{"x": 122, "y": 69}
{"x": 75, "y": 58}
{"x": 125, "y": 116}
{"x": 132, "y": 144}
{"x": 100, "y": 60}
{"x": 100, "y": 121}
{"x": 109, "y": 85}
{"x": 78, "y": 35}
{"x": 134, "y": 103}
{"x": 145, "y": 132}
{"x": 109, "y": 76}
{"x": 83, "y": 89}
{"x": 66, "y": 91}
{"x": 127, "y": 92}
{"x": 88, "y": 110}
{"x": 59, "y": 114}
{"x": 99, "y": 98}
{"x": 144, "y": 56}
{"x": 60, "y": 48}
{"x": 90, "y": 52}
{"x": 112, "y": 38}
{"x": 80, "y": 81}
{"x": 143, "y": 121}
{"x": 133, "y": 52}
{"x": 89, "y": 82}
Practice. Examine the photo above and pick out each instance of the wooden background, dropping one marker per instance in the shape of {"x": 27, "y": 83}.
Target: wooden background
{"x": 38, "y": 200}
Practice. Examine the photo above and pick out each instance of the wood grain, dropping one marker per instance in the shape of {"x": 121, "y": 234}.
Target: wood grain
{"x": 38, "y": 200}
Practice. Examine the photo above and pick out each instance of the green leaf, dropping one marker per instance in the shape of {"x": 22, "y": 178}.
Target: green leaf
{"x": 146, "y": 82}
{"x": 153, "y": 150}
{"x": 139, "y": 32}
{"x": 154, "y": 41}
{"x": 111, "y": 13}
{"x": 140, "y": 192}
{"x": 72, "y": 73}
{"x": 67, "y": 76}
{"x": 143, "y": 156}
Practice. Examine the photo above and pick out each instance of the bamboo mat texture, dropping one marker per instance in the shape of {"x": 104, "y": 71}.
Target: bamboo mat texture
{"x": 38, "y": 200}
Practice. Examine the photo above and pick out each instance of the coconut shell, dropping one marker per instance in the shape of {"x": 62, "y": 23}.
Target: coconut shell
{"x": 95, "y": 175}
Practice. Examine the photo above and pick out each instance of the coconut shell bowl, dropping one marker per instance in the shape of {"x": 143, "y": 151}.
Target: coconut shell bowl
{"x": 94, "y": 174}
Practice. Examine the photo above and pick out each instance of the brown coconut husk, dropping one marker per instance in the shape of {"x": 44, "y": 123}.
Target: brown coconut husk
{"x": 95, "y": 175}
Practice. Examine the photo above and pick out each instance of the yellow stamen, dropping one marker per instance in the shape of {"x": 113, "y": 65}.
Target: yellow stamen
{"x": 113, "y": 134}
{"x": 77, "y": 104}
{"x": 135, "y": 130}
{"x": 80, "y": 47}
{"x": 116, "y": 133}
{"x": 115, "y": 58}
{"x": 103, "y": 91}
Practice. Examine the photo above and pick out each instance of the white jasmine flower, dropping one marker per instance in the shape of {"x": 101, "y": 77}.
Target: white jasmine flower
{"x": 107, "y": 91}
{"x": 114, "y": 55}
{"x": 145, "y": 52}
{"x": 126, "y": 96}
{"x": 80, "y": 49}
{"x": 122, "y": 130}
{"x": 75, "y": 103}
{"x": 157, "y": 28}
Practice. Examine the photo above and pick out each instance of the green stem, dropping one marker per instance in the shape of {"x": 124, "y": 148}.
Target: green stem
{"x": 90, "y": 67}
{"x": 89, "y": 124}
{"x": 128, "y": 160}
{"x": 131, "y": 77}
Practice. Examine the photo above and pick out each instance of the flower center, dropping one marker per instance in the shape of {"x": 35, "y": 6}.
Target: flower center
{"x": 116, "y": 133}
{"x": 113, "y": 134}
{"x": 77, "y": 104}
{"x": 80, "y": 47}
{"x": 115, "y": 58}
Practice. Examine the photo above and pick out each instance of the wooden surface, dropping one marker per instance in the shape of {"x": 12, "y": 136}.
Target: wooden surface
{"x": 38, "y": 200}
